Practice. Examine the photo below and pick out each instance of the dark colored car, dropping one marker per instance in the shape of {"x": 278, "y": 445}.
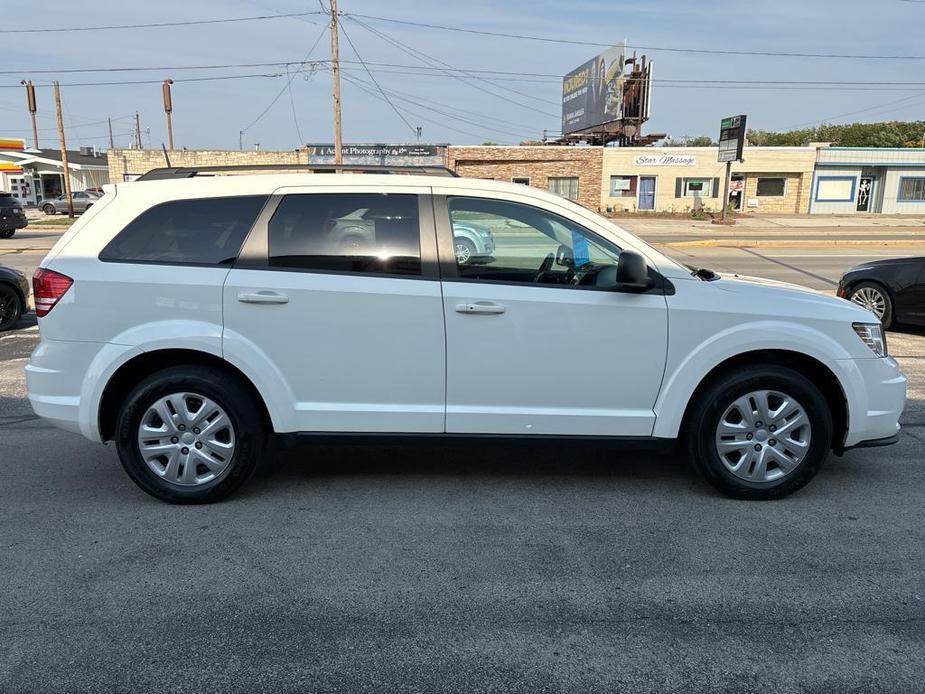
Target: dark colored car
{"x": 14, "y": 296}
{"x": 893, "y": 289}
{"x": 12, "y": 216}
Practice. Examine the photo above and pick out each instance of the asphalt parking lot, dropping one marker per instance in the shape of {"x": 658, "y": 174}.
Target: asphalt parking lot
{"x": 463, "y": 567}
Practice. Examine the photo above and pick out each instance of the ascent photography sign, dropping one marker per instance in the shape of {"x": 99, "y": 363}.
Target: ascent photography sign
{"x": 665, "y": 160}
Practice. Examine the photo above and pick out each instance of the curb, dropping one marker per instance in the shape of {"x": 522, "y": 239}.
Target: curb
{"x": 787, "y": 243}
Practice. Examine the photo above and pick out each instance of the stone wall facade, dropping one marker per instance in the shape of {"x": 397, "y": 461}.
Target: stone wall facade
{"x": 538, "y": 164}
{"x": 127, "y": 164}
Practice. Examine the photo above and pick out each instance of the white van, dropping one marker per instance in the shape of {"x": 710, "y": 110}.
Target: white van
{"x": 191, "y": 318}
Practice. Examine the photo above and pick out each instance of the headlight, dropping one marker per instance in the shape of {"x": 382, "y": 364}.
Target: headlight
{"x": 872, "y": 335}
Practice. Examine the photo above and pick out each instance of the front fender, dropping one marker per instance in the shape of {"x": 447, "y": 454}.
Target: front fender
{"x": 689, "y": 364}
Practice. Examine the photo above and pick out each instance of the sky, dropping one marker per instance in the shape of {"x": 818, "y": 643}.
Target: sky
{"x": 211, "y": 114}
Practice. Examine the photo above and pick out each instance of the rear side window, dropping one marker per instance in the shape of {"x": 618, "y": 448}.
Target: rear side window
{"x": 372, "y": 233}
{"x": 201, "y": 231}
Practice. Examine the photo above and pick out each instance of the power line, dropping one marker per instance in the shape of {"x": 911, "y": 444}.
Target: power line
{"x": 288, "y": 82}
{"x": 156, "y": 25}
{"x": 437, "y": 70}
{"x": 354, "y": 81}
{"x": 212, "y": 78}
{"x": 854, "y": 113}
{"x": 469, "y": 121}
{"x": 596, "y": 44}
{"x": 424, "y": 57}
{"x": 448, "y": 70}
{"x": 387, "y": 100}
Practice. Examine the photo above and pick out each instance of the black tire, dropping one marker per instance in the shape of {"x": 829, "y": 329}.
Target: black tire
{"x": 10, "y": 307}
{"x": 887, "y": 319}
{"x": 49, "y": 209}
{"x": 705, "y": 413}
{"x": 7, "y": 233}
{"x": 468, "y": 245}
{"x": 227, "y": 392}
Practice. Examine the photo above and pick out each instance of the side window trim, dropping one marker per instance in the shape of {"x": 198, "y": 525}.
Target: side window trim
{"x": 255, "y": 253}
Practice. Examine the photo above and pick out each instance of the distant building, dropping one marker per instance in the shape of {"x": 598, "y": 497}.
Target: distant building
{"x": 33, "y": 175}
{"x": 869, "y": 179}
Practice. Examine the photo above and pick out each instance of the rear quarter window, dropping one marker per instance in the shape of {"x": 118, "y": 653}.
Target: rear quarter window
{"x": 200, "y": 231}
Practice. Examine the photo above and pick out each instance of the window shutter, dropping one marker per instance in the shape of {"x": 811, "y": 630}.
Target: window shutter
{"x": 678, "y": 186}
{"x": 716, "y": 192}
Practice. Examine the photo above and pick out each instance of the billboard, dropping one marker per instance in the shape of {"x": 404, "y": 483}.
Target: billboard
{"x": 592, "y": 94}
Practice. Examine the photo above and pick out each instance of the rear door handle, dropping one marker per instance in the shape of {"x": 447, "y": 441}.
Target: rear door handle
{"x": 479, "y": 307}
{"x": 265, "y": 297}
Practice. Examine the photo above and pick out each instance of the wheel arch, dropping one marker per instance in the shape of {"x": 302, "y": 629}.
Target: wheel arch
{"x": 810, "y": 367}
{"x": 139, "y": 367}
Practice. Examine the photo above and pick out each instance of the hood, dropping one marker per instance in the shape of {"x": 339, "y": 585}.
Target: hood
{"x": 870, "y": 265}
{"x": 813, "y": 302}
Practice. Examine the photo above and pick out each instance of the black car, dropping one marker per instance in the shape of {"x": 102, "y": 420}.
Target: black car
{"x": 14, "y": 296}
{"x": 893, "y": 289}
{"x": 12, "y": 216}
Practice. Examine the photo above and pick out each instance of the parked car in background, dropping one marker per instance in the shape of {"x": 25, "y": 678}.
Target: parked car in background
{"x": 14, "y": 296}
{"x": 894, "y": 289}
{"x": 82, "y": 200}
{"x": 357, "y": 229}
{"x": 12, "y": 216}
{"x": 191, "y": 320}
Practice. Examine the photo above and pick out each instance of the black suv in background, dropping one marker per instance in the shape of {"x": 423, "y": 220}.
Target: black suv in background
{"x": 12, "y": 216}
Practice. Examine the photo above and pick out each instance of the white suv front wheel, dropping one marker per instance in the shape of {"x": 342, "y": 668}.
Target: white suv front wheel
{"x": 759, "y": 432}
{"x": 190, "y": 434}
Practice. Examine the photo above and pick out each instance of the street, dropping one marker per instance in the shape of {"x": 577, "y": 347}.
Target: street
{"x": 464, "y": 566}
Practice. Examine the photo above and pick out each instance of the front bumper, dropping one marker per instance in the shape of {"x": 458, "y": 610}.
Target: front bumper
{"x": 876, "y": 400}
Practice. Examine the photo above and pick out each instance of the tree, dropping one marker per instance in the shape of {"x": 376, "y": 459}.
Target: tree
{"x": 884, "y": 134}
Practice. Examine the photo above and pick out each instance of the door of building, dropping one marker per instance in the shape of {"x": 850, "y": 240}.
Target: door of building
{"x": 865, "y": 193}
{"x": 647, "y": 192}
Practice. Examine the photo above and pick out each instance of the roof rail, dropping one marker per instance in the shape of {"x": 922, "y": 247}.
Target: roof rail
{"x": 191, "y": 171}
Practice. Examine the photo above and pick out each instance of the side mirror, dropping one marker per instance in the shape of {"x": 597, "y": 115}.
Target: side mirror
{"x": 632, "y": 270}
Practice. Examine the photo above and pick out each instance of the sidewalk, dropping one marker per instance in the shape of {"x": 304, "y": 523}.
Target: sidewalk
{"x": 781, "y": 230}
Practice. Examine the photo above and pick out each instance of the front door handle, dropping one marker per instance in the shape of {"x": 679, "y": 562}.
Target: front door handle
{"x": 264, "y": 297}
{"x": 479, "y": 307}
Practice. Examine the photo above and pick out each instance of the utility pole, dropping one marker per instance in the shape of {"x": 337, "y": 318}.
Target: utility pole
{"x": 240, "y": 139}
{"x": 726, "y": 189}
{"x": 335, "y": 79}
{"x": 418, "y": 131}
{"x": 137, "y": 131}
{"x": 30, "y": 102}
{"x": 111, "y": 144}
{"x": 168, "y": 109}
{"x": 67, "y": 171}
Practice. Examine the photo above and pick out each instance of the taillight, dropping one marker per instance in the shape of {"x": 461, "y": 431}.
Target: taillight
{"x": 48, "y": 287}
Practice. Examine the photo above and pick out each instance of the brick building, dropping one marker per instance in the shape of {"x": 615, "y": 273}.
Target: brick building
{"x": 573, "y": 172}
{"x": 676, "y": 179}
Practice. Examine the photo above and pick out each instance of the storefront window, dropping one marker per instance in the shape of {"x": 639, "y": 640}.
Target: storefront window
{"x": 623, "y": 186}
{"x": 911, "y": 190}
{"x": 835, "y": 189}
{"x": 771, "y": 187}
{"x": 567, "y": 187}
{"x": 698, "y": 187}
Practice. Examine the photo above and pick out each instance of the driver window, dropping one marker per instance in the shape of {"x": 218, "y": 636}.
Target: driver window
{"x": 495, "y": 240}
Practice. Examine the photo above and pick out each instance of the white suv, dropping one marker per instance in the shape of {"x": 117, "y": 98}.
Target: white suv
{"x": 191, "y": 320}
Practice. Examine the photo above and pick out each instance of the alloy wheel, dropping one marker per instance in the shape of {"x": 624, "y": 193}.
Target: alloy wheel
{"x": 9, "y": 308}
{"x": 463, "y": 253}
{"x": 186, "y": 439}
{"x": 871, "y": 299}
{"x": 763, "y": 436}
